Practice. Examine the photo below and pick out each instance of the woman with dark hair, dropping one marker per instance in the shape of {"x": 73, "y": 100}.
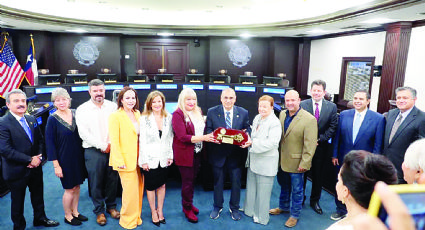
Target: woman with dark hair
{"x": 124, "y": 129}
{"x": 356, "y": 180}
{"x": 155, "y": 151}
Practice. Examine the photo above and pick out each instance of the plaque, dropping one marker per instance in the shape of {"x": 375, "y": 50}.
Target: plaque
{"x": 230, "y": 136}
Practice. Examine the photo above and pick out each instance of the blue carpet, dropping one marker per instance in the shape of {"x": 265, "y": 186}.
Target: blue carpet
{"x": 172, "y": 210}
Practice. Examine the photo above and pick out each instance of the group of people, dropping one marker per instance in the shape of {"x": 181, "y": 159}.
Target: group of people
{"x": 108, "y": 142}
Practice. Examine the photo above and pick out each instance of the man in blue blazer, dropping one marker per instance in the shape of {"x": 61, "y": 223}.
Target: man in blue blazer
{"x": 224, "y": 157}
{"x": 399, "y": 135}
{"x": 21, "y": 149}
{"x": 358, "y": 129}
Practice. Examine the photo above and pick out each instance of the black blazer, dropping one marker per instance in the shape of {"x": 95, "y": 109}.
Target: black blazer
{"x": 215, "y": 119}
{"x": 412, "y": 129}
{"x": 16, "y": 149}
{"x": 328, "y": 119}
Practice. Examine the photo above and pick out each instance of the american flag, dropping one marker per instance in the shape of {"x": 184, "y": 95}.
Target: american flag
{"x": 11, "y": 73}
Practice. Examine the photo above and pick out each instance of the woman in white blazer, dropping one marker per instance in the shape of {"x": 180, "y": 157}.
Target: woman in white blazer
{"x": 262, "y": 161}
{"x": 155, "y": 151}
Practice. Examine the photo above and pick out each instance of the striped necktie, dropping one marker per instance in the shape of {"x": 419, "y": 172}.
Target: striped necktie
{"x": 228, "y": 122}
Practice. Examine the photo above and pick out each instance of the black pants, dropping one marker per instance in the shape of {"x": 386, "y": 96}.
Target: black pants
{"x": 316, "y": 172}
{"x": 17, "y": 193}
{"x": 103, "y": 180}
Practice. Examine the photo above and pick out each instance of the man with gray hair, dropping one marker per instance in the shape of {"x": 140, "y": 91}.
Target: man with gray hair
{"x": 92, "y": 121}
{"x": 21, "y": 149}
{"x": 405, "y": 124}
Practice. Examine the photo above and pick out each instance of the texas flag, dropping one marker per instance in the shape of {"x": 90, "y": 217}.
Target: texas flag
{"x": 31, "y": 66}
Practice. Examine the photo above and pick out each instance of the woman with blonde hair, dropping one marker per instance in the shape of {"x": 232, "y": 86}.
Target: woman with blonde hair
{"x": 188, "y": 125}
{"x": 64, "y": 149}
{"x": 155, "y": 151}
{"x": 124, "y": 129}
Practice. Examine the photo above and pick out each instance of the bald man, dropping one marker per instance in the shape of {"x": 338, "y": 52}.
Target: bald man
{"x": 225, "y": 157}
{"x": 297, "y": 147}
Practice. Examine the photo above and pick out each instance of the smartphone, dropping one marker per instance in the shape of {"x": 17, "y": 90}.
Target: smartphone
{"x": 412, "y": 195}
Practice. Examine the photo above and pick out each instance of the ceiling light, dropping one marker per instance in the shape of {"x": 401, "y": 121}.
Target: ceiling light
{"x": 2, "y": 23}
{"x": 77, "y": 31}
{"x": 164, "y": 34}
{"x": 379, "y": 21}
{"x": 246, "y": 35}
{"x": 316, "y": 31}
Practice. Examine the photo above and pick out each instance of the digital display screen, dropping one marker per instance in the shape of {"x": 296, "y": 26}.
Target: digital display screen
{"x": 80, "y": 88}
{"x": 274, "y": 90}
{"x": 166, "y": 86}
{"x": 44, "y": 90}
{"x": 170, "y": 107}
{"x": 194, "y": 87}
{"x": 140, "y": 86}
{"x": 245, "y": 88}
{"x": 218, "y": 87}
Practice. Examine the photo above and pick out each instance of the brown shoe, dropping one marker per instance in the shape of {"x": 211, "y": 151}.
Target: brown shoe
{"x": 101, "y": 219}
{"x": 291, "y": 222}
{"x": 114, "y": 213}
{"x": 277, "y": 211}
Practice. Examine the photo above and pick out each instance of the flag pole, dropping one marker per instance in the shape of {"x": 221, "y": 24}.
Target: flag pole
{"x": 5, "y": 34}
{"x": 32, "y": 43}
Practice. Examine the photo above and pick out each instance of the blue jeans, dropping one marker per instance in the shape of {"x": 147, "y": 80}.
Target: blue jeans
{"x": 291, "y": 183}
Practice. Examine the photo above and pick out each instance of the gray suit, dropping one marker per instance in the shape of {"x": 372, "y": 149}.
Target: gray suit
{"x": 410, "y": 130}
{"x": 263, "y": 160}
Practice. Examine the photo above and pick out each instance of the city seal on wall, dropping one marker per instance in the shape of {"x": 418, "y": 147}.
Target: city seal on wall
{"x": 86, "y": 53}
{"x": 239, "y": 55}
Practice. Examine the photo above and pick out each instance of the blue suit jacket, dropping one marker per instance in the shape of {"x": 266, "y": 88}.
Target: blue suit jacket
{"x": 219, "y": 152}
{"x": 369, "y": 138}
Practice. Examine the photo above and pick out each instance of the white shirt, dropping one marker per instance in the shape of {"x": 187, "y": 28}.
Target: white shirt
{"x": 18, "y": 118}
{"x": 92, "y": 123}
{"x": 231, "y": 115}
{"x": 314, "y": 106}
{"x": 404, "y": 115}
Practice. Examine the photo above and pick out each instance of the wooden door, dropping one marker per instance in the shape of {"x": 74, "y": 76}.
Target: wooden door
{"x": 171, "y": 56}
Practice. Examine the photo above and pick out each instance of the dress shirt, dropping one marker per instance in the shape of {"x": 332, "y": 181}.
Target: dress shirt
{"x": 92, "y": 123}
{"x": 362, "y": 115}
{"x": 404, "y": 115}
{"x": 314, "y": 105}
{"x": 231, "y": 115}
{"x": 18, "y": 118}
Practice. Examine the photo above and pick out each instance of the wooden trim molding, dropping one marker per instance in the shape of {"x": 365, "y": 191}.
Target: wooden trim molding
{"x": 396, "y": 49}
{"x": 304, "y": 48}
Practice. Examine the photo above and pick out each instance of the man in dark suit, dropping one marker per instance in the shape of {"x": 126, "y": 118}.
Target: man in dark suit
{"x": 405, "y": 124}
{"x": 225, "y": 157}
{"x": 358, "y": 129}
{"x": 21, "y": 149}
{"x": 327, "y": 118}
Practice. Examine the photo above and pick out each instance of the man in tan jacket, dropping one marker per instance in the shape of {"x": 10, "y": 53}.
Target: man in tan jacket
{"x": 297, "y": 147}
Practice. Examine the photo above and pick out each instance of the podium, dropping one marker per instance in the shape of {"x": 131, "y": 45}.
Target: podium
{"x": 77, "y": 78}
{"x": 49, "y": 79}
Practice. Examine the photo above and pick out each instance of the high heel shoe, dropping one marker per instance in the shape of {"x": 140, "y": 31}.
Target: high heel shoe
{"x": 156, "y": 223}
{"x": 162, "y": 221}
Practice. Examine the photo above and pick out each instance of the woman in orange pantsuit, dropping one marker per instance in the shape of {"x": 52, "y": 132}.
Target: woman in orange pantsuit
{"x": 123, "y": 132}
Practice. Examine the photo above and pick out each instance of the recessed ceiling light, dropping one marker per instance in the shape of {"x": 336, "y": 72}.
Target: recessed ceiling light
{"x": 165, "y": 34}
{"x": 77, "y": 31}
{"x": 316, "y": 31}
{"x": 246, "y": 35}
{"x": 379, "y": 21}
{"x": 219, "y": 6}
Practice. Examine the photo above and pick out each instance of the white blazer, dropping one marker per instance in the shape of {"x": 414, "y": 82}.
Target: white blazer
{"x": 152, "y": 149}
{"x": 263, "y": 155}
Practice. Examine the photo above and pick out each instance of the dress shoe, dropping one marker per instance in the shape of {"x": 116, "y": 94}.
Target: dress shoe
{"x": 46, "y": 223}
{"x": 81, "y": 217}
{"x": 74, "y": 221}
{"x": 114, "y": 213}
{"x": 162, "y": 221}
{"x": 316, "y": 207}
{"x": 291, "y": 222}
{"x": 277, "y": 211}
{"x": 195, "y": 210}
{"x": 101, "y": 219}
{"x": 190, "y": 215}
{"x": 304, "y": 200}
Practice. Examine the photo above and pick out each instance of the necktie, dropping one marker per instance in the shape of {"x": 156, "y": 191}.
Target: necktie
{"x": 356, "y": 126}
{"x": 395, "y": 127}
{"x": 26, "y": 128}
{"x": 316, "y": 112}
{"x": 228, "y": 122}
